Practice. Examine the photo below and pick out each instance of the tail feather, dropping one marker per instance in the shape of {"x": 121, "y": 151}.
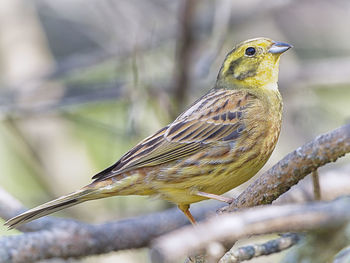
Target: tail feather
{"x": 51, "y": 207}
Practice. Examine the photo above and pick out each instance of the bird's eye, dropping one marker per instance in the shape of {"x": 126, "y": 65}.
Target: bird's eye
{"x": 250, "y": 51}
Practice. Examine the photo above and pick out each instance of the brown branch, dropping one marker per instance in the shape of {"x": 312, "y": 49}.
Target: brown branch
{"x": 316, "y": 184}
{"x": 253, "y": 221}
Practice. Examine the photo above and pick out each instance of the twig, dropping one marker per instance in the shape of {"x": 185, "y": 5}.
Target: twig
{"x": 253, "y": 221}
{"x": 270, "y": 247}
{"x": 334, "y": 183}
{"x": 316, "y": 184}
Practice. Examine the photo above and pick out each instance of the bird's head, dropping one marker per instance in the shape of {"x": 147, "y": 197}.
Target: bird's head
{"x": 252, "y": 63}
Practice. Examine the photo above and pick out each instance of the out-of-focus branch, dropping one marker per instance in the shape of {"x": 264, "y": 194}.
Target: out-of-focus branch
{"x": 343, "y": 256}
{"x": 10, "y": 207}
{"x": 75, "y": 96}
{"x": 270, "y": 247}
{"x": 220, "y": 29}
{"x": 321, "y": 245}
{"x": 243, "y": 11}
{"x": 294, "y": 167}
{"x": 184, "y": 47}
{"x": 66, "y": 238}
{"x": 253, "y": 221}
{"x": 315, "y": 72}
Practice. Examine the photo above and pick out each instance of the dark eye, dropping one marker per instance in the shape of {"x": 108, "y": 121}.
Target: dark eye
{"x": 250, "y": 51}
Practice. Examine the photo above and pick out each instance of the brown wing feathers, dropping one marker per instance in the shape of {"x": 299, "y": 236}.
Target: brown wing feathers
{"x": 208, "y": 120}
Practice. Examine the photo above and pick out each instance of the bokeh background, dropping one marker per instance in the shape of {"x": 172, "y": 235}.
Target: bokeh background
{"x": 82, "y": 81}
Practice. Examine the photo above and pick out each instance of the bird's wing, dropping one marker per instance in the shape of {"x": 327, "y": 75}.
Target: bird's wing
{"x": 216, "y": 117}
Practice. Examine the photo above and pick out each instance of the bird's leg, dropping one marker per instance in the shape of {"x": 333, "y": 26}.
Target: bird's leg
{"x": 214, "y": 196}
{"x": 186, "y": 211}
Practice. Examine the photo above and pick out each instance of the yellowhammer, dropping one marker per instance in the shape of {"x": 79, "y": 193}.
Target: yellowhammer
{"x": 218, "y": 143}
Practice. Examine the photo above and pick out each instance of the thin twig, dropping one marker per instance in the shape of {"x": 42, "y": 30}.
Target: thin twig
{"x": 316, "y": 184}
{"x": 334, "y": 183}
{"x": 240, "y": 254}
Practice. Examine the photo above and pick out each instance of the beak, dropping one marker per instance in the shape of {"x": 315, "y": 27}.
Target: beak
{"x": 279, "y": 48}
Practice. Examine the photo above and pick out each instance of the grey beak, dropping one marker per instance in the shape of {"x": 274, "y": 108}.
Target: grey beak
{"x": 279, "y": 48}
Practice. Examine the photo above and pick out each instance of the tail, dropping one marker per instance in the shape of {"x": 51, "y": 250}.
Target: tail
{"x": 77, "y": 197}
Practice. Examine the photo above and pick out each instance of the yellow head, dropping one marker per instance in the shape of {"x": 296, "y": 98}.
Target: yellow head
{"x": 252, "y": 64}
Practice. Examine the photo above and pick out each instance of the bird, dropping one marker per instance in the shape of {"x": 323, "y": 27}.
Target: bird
{"x": 221, "y": 141}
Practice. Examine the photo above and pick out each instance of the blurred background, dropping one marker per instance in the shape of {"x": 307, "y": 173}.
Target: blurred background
{"x": 83, "y": 81}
